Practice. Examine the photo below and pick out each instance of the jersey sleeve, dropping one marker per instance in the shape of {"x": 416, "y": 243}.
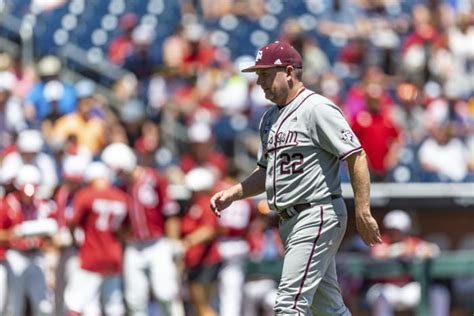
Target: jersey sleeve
{"x": 333, "y": 132}
{"x": 264, "y": 129}
{"x": 80, "y": 203}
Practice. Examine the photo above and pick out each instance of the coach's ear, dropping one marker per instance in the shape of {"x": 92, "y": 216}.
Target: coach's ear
{"x": 289, "y": 71}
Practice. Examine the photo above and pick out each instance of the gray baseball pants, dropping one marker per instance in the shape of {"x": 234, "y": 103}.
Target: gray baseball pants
{"x": 308, "y": 284}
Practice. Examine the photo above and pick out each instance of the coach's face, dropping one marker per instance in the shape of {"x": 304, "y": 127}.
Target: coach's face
{"x": 275, "y": 83}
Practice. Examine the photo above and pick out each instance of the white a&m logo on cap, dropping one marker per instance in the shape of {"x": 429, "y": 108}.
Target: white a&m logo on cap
{"x": 259, "y": 55}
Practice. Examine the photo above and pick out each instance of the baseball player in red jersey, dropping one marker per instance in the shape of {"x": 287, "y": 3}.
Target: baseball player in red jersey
{"x": 303, "y": 139}
{"x": 33, "y": 222}
{"x": 154, "y": 225}
{"x": 100, "y": 210}
{"x": 199, "y": 229}
{"x": 6, "y": 224}
{"x": 73, "y": 169}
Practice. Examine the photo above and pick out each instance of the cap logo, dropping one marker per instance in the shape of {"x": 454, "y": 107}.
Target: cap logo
{"x": 259, "y": 55}
{"x": 278, "y": 62}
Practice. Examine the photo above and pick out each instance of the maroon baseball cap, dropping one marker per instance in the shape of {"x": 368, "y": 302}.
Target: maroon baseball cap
{"x": 276, "y": 54}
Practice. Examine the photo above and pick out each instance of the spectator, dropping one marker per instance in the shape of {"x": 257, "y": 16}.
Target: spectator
{"x": 87, "y": 125}
{"x": 12, "y": 119}
{"x": 211, "y": 11}
{"x": 378, "y": 134}
{"x": 132, "y": 115}
{"x": 25, "y": 75}
{"x": 200, "y": 54}
{"x": 451, "y": 106}
{"x": 143, "y": 61}
{"x": 331, "y": 86}
{"x": 461, "y": 38}
{"x": 175, "y": 48}
{"x": 416, "y": 48}
{"x": 353, "y": 59}
{"x": 340, "y": 21}
{"x": 402, "y": 293}
{"x": 50, "y": 98}
{"x": 201, "y": 151}
{"x": 123, "y": 45}
{"x": 373, "y": 84}
{"x": 443, "y": 156}
{"x": 315, "y": 60}
{"x": 409, "y": 115}
{"x": 148, "y": 144}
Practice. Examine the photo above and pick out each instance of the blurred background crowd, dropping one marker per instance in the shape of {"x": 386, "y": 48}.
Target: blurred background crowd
{"x": 162, "y": 79}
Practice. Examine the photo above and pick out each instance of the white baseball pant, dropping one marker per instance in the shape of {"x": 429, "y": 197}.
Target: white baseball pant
{"x": 151, "y": 264}
{"x": 308, "y": 284}
{"x": 67, "y": 266}
{"x": 28, "y": 282}
{"x": 3, "y": 285}
{"x": 259, "y": 294}
{"x": 87, "y": 291}
{"x": 231, "y": 275}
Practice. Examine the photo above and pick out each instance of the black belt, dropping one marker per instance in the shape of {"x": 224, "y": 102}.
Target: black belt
{"x": 298, "y": 208}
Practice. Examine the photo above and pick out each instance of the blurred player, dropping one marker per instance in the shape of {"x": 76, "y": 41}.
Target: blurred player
{"x": 6, "y": 224}
{"x": 233, "y": 250}
{"x": 73, "y": 169}
{"x": 29, "y": 150}
{"x": 149, "y": 254}
{"x": 100, "y": 209}
{"x": 33, "y": 225}
{"x": 264, "y": 265}
{"x": 199, "y": 228}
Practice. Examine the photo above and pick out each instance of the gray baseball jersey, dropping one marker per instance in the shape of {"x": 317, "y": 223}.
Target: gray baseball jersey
{"x": 302, "y": 145}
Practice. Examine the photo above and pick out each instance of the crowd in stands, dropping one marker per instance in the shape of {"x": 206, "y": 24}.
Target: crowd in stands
{"x": 182, "y": 119}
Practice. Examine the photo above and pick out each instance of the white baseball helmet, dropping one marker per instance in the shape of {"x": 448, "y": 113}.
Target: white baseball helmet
{"x": 119, "y": 156}
{"x": 27, "y": 175}
{"x": 199, "y": 179}
{"x": 74, "y": 166}
{"x": 97, "y": 170}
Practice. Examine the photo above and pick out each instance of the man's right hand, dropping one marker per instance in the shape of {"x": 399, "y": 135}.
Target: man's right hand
{"x": 220, "y": 201}
{"x": 368, "y": 229}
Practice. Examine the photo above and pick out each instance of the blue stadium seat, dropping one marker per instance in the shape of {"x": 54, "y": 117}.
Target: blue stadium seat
{"x": 18, "y": 7}
{"x": 46, "y": 24}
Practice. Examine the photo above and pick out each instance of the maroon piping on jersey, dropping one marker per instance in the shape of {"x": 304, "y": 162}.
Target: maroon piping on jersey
{"x": 343, "y": 157}
{"x": 275, "y": 152}
{"x": 310, "y": 258}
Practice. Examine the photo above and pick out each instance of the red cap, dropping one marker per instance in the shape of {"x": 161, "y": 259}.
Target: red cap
{"x": 277, "y": 54}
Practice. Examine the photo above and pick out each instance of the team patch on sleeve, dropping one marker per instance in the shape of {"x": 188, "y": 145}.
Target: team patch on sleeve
{"x": 347, "y": 136}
